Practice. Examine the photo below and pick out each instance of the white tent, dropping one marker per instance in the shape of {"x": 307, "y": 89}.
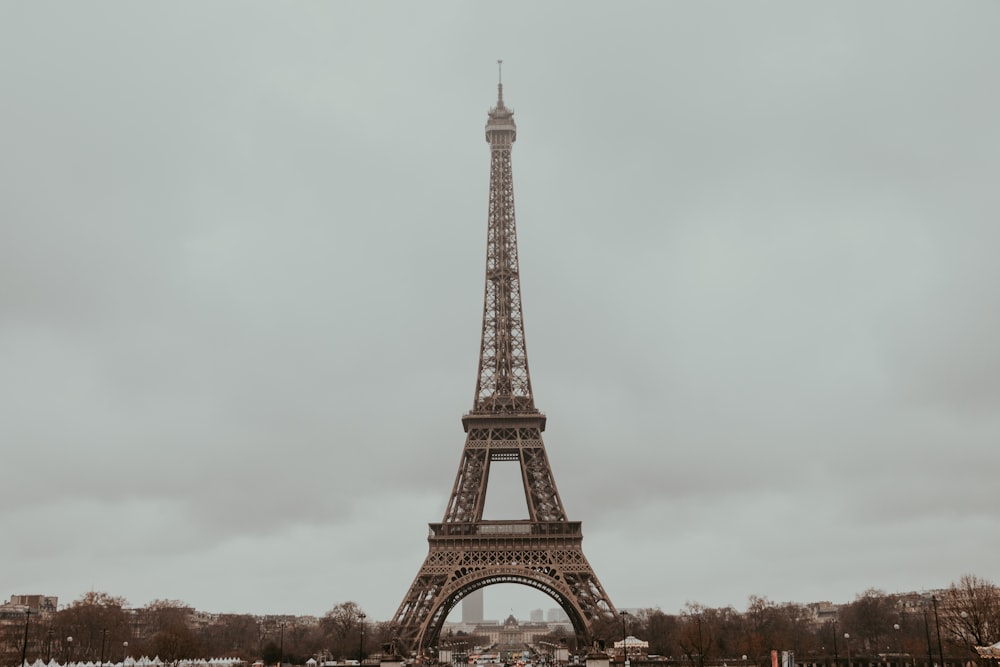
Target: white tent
{"x": 989, "y": 652}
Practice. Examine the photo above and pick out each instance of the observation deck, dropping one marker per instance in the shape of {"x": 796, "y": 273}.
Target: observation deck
{"x": 512, "y": 529}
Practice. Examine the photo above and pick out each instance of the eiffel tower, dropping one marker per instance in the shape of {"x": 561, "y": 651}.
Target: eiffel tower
{"x": 467, "y": 552}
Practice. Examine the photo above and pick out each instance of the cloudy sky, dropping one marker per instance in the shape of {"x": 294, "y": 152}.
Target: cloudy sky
{"x": 241, "y": 272}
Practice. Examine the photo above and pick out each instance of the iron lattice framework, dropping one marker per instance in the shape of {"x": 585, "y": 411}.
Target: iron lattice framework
{"x": 467, "y": 552}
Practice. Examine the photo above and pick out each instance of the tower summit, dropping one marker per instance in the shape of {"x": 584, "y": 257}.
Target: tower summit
{"x": 467, "y": 552}
{"x": 503, "y": 385}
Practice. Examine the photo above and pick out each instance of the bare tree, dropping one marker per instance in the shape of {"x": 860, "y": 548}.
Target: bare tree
{"x": 970, "y": 615}
{"x": 660, "y": 630}
{"x": 696, "y": 633}
{"x": 97, "y": 621}
{"x": 761, "y": 625}
{"x": 167, "y": 630}
{"x": 341, "y": 627}
{"x": 870, "y": 619}
{"x": 234, "y": 635}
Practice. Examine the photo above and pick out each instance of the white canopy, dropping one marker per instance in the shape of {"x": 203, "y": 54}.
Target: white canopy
{"x": 992, "y": 652}
{"x": 632, "y": 642}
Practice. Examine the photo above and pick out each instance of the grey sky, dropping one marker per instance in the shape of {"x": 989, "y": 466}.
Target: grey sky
{"x": 241, "y": 264}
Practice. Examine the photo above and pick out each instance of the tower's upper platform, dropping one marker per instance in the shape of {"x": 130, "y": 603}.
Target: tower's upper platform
{"x": 500, "y": 127}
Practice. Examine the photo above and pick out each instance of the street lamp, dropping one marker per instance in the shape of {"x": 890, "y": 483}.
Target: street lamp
{"x": 24, "y": 648}
{"x": 69, "y": 650}
{"x": 899, "y": 646}
{"x": 104, "y": 636}
{"x": 701, "y": 649}
{"x": 937, "y": 626}
{"x": 847, "y": 640}
{"x": 927, "y": 633}
{"x": 124, "y": 652}
{"x": 624, "y": 649}
{"x": 281, "y": 644}
{"x": 836, "y": 655}
{"x": 361, "y": 645}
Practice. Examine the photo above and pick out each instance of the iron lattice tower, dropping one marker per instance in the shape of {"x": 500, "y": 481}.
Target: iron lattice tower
{"x": 467, "y": 552}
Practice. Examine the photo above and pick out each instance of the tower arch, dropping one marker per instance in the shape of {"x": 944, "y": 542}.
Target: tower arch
{"x": 543, "y": 583}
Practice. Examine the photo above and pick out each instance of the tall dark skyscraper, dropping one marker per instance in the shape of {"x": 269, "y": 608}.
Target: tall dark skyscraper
{"x": 472, "y": 607}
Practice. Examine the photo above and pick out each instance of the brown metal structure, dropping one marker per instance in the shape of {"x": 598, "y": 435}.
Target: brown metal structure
{"x": 467, "y": 552}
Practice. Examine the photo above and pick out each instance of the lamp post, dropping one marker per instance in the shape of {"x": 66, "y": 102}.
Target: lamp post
{"x": 899, "y": 646}
{"x": 965, "y": 630}
{"x": 701, "y": 649}
{"x": 69, "y": 650}
{"x": 624, "y": 648}
{"x": 281, "y": 644}
{"x": 937, "y": 627}
{"x": 104, "y": 636}
{"x": 48, "y": 644}
{"x": 927, "y": 632}
{"x": 124, "y": 652}
{"x": 361, "y": 644}
{"x": 24, "y": 647}
{"x": 847, "y": 640}
{"x": 836, "y": 656}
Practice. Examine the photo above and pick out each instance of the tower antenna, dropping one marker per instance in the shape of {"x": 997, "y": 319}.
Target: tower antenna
{"x": 499, "y": 84}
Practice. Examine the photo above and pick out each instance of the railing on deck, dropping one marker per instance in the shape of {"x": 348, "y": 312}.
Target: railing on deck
{"x": 503, "y": 528}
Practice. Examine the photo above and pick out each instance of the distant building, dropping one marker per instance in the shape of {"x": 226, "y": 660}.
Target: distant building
{"x": 537, "y": 616}
{"x": 472, "y": 607}
{"x": 512, "y": 634}
{"x": 39, "y": 604}
{"x": 556, "y": 615}
{"x": 821, "y": 612}
{"x": 17, "y": 614}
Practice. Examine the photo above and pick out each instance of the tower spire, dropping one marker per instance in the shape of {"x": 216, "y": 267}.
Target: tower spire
{"x": 503, "y": 385}
{"x": 499, "y": 84}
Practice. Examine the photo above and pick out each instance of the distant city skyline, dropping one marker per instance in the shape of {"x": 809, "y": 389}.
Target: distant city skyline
{"x": 497, "y": 611}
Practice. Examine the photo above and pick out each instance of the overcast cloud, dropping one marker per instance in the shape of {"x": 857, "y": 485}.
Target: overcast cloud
{"x": 241, "y": 265}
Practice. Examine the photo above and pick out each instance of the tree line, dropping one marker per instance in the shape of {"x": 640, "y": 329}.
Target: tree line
{"x": 876, "y": 628}
{"x": 99, "y": 627}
